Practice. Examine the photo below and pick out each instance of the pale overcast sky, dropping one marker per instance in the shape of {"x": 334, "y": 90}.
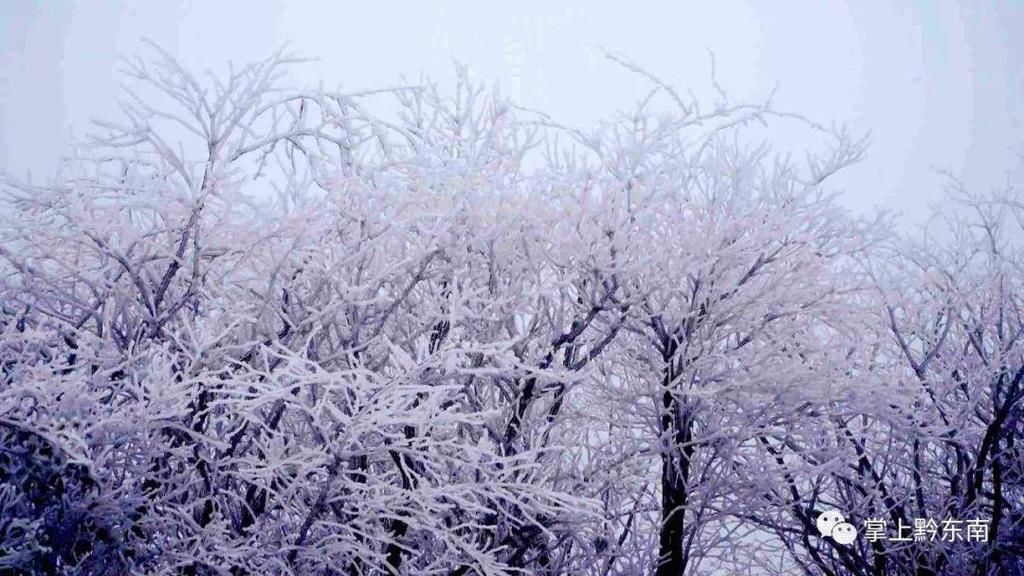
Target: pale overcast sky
{"x": 936, "y": 83}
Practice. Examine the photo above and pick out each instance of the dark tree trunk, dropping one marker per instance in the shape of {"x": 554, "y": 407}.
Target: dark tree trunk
{"x": 676, "y": 425}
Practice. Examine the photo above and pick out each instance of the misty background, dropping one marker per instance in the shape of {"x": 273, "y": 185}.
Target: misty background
{"x": 936, "y": 84}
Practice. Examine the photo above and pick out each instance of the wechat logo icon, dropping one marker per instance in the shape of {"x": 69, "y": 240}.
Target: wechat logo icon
{"x": 831, "y": 524}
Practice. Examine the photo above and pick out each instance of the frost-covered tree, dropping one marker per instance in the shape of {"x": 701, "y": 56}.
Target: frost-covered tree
{"x": 952, "y": 313}
{"x": 930, "y": 430}
{"x": 735, "y": 264}
{"x": 256, "y": 330}
{"x": 303, "y": 340}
